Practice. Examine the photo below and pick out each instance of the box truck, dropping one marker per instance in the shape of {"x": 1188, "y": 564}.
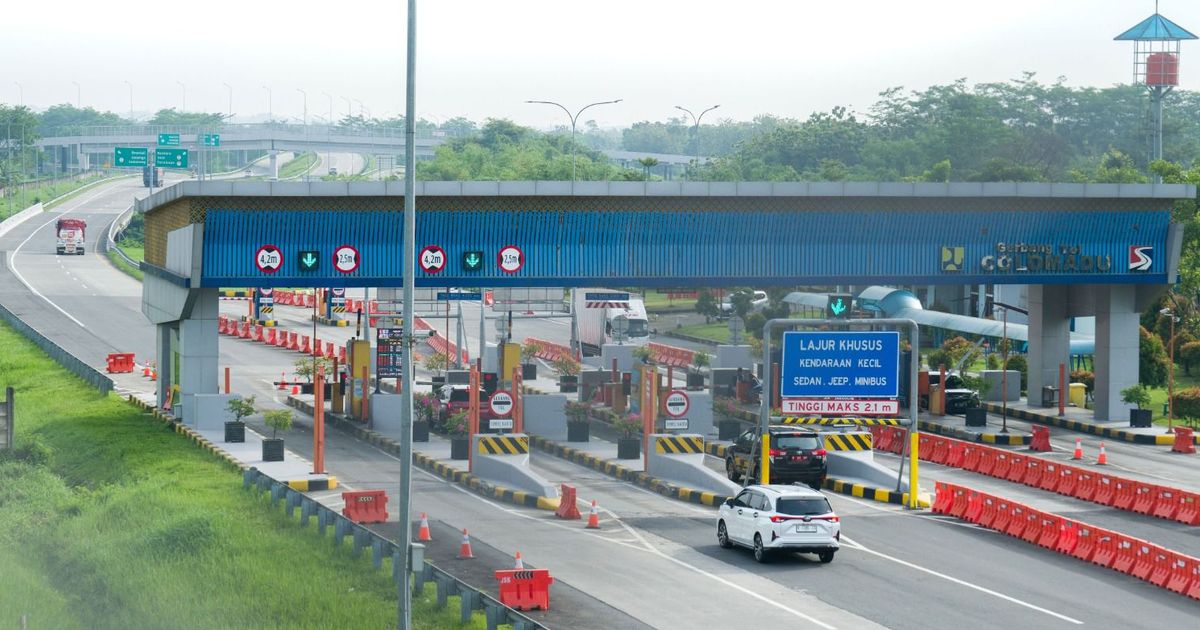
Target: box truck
{"x": 70, "y": 234}
{"x": 601, "y": 313}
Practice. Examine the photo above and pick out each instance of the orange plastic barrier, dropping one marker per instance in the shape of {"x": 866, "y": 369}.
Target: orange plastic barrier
{"x": 1041, "y": 440}
{"x": 1016, "y": 520}
{"x": 1016, "y": 467}
{"x": 1033, "y": 471}
{"x": 525, "y": 589}
{"x": 1003, "y": 515}
{"x": 368, "y": 506}
{"x": 1052, "y": 530}
{"x": 1189, "y": 508}
{"x": 258, "y": 333}
{"x": 972, "y": 454}
{"x": 246, "y": 332}
{"x": 1184, "y": 443}
{"x": 1033, "y": 526}
{"x": 989, "y": 458}
{"x": 958, "y": 506}
{"x": 1143, "y": 559}
{"x": 1124, "y": 493}
{"x": 1106, "y": 490}
{"x": 1126, "y": 553}
{"x": 1086, "y": 484}
{"x": 1068, "y": 479}
{"x": 305, "y": 345}
{"x": 1051, "y": 473}
{"x": 1144, "y": 497}
{"x": 1166, "y": 502}
{"x": 272, "y": 337}
{"x": 1182, "y": 571}
{"x": 670, "y": 355}
{"x": 566, "y": 504}
{"x": 119, "y": 363}
{"x": 1085, "y": 542}
{"x": 1164, "y": 567}
{"x": 954, "y": 454}
{"x": 1106, "y": 548}
{"x": 974, "y": 506}
{"x": 282, "y": 340}
{"x": 943, "y": 498}
{"x": 1003, "y": 463}
{"x": 987, "y": 516}
{"x": 342, "y": 355}
{"x": 1068, "y": 537}
{"x": 941, "y": 450}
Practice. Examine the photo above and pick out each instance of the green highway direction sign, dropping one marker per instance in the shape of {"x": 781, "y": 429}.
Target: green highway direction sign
{"x": 309, "y": 260}
{"x": 171, "y": 158}
{"x": 472, "y": 261}
{"x": 211, "y": 139}
{"x": 131, "y": 156}
{"x": 168, "y": 139}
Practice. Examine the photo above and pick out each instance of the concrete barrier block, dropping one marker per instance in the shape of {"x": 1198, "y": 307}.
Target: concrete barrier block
{"x": 687, "y": 469}
{"x": 700, "y": 414}
{"x": 995, "y": 378}
{"x": 385, "y": 414}
{"x": 734, "y": 357}
{"x": 861, "y": 466}
{"x": 544, "y": 416}
{"x": 510, "y": 471}
{"x": 622, "y": 353}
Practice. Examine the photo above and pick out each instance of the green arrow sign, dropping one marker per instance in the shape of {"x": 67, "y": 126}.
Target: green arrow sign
{"x": 130, "y": 156}
{"x": 310, "y": 260}
{"x": 838, "y": 306}
{"x": 171, "y": 158}
{"x": 472, "y": 261}
{"x": 168, "y": 139}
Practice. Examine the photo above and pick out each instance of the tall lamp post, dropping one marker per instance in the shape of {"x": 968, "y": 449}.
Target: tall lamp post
{"x": 78, "y": 96}
{"x": 21, "y": 92}
{"x": 130, "y": 101}
{"x": 1004, "y": 351}
{"x": 230, "y": 89}
{"x": 270, "y": 106}
{"x": 183, "y": 104}
{"x": 696, "y": 129}
{"x": 304, "y": 116}
{"x": 1171, "y": 367}
{"x": 574, "y": 119}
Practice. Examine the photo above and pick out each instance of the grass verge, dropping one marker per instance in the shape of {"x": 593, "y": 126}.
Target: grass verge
{"x": 717, "y": 331}
{"x": 298, "y": 166}
{"x": 123, "y": 266}
{"x": 109, "y": 519}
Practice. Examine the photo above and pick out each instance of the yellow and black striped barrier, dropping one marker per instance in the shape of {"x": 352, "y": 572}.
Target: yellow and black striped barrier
{"x": 856, "y": 420}
{"x": 847, "y": 441}
{"x": 679, "y": 444}
{"x": 330, "y": 321}
{"x": 312, "y": 485}
{"x": 503, "y": 445}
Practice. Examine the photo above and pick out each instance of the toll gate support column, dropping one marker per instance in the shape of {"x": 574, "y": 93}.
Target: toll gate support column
{"x": 273, "y": 163}
{"x": 1049, "y": 338}
{"x": 198, "y": 351}
{"x": 1117, "y": 347}
{"x": 162, "y": 360}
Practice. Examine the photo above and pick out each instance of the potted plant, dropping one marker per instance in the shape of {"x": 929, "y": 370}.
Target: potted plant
{"x": 976, "y": 415}
{"x": 235, "y": 430}
{"x": 728, "y": 426}
{"x": 629, "y": 445}
{"x": 437, "y": 363}
{"x": 695, "y": 376}
{"x": 529, "y": 353}
{"x": 1140, "y": 396}
{"x": 577, "y": 421}
{"x": 644, "y": 354}
{"x": 272, "y": 447}
{"x": 425, "y": 407}
{"x": 455, "y": 427}
{"x": 568, "y": 373}
{"x": 305, "y": 368}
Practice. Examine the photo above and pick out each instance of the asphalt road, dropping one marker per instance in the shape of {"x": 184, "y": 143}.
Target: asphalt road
{"x": 655, "y": 560}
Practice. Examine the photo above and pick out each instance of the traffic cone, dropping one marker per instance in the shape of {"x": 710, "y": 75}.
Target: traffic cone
{"x": 518, "y": 564}
{"x": 282, "y": 380}
{"x": 464, "y": 551}
{"x": 593, "y": 517}
{"x": 146, "y": 371}
{"x": 1078, "y": 449}
{"x": 295, "y": 390}
{"x": 1103, "y": 458}
{"x": 154, "y": 375}
{"x": 423, "y": 532}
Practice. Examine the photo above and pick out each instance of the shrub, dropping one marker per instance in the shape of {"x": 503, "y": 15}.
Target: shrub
{"x": 993, "y": 361}
{"x": 566, "y": 366}
{"x": 577, "y": 411}
{"x": 725, "y": 407}
{"x": 1085, "y": 377}
{"x": 437, "y": 362}
{"x": 456, "y": 424}
{"x": 529, "y": 351}
{"x": 629, "y": 425}
{"x": 1186, "y": 404}
{"x": 305, "y": 367}
{"x": 1136, "y": 395}
{"x": 278, "y": 420}
{"x": 1152, "y": 359}
{"x": 241, "y": 407}
{"x": 1189, "y": 353}
{"x": 425, "y": 405}
{"x": 1019, "y": 363}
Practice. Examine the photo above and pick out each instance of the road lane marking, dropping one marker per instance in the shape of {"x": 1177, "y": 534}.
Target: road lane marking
{"x": 12, "y": 265}
{"x": 982, "y": 589}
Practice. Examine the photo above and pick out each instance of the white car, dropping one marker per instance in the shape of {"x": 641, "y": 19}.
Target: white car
{"x": 780, "y": 518}
{"x": 758, "y": 301}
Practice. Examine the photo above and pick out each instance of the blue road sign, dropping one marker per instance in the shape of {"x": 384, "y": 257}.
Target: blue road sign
{"x": 459, "y": 295}
{"x": 606, "y": 297}
{"x": 829, "y": 364}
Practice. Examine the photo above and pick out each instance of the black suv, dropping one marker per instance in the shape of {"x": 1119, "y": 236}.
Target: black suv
{"x": 796, "y": 455}
{"x": 959, "y": 397}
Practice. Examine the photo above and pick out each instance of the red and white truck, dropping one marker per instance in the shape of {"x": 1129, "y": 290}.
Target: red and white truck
{"x": 71, "y": 236}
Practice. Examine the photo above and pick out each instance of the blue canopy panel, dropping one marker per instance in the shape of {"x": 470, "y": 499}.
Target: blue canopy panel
{"x": 1155, "y": 28}
{"x": 698, "y": 248}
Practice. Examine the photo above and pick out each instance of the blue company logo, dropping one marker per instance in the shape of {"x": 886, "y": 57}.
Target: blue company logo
{"x": 952, "y": 258}
{"x": 1140, "y": 257}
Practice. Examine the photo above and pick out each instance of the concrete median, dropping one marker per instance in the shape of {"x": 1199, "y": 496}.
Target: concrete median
{"x": 504, "y": 459}
{"x": 680, "y": 459}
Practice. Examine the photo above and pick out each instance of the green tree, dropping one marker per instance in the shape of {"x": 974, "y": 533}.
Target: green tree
{"x": 1188, "y": 355}
{"x": 706, "y": 305}
{"x": 1152, "y": 359}
{"x": 173, "y": 117}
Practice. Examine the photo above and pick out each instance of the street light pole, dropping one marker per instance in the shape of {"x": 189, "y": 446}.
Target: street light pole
{"x": 573, "y": 121}
{"x": 183, "y": 106}
{"x": 1171, "y": 367}
{"x": 230, "y": 89}
{"x": 696, "y": 129}
{"x": 78, "y": 96}
{"x": 21, "y": 92}
{"x": 404, "y": 612}
{"x": 1004, "y": 379}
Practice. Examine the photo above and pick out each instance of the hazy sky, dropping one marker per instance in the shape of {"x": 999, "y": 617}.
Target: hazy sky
{"x": 484, "y": 58}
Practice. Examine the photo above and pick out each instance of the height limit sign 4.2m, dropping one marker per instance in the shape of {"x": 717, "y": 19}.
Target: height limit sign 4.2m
{"x": 432, "y": 259}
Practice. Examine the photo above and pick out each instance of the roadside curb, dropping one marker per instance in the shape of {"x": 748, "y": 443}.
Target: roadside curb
{"x": 1012, "y": 439}
{"x": 691, "y": 338}
{"x": 622, "y": 473}
{"x": 449, "y": 473}
{"x": 839, "y": 486}
{"x": 186, "y": 431}
{"x": 1084, "y": 427}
